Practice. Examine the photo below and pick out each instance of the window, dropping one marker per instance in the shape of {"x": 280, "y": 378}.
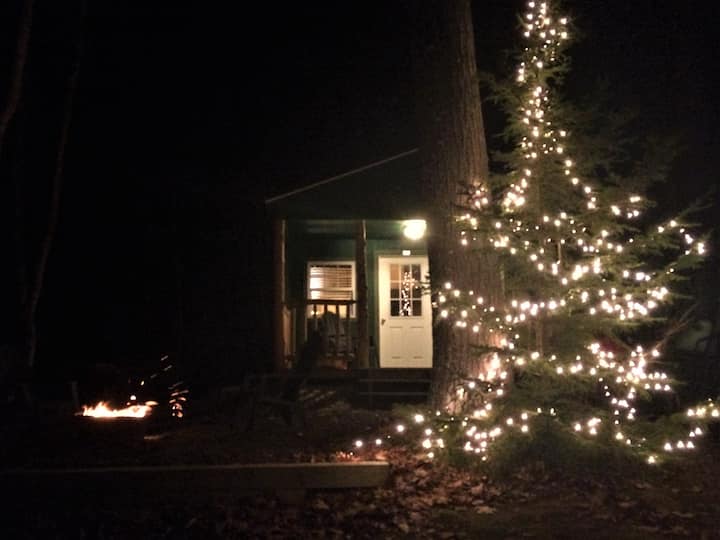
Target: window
{"x": 331, "y": 281}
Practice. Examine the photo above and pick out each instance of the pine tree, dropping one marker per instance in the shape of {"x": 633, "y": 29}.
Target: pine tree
{"x": 584, "y": 273}
{"x": 586, "y": 278}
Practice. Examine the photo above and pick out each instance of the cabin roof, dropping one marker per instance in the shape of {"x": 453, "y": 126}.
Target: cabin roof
{"x": 384, "y": 189}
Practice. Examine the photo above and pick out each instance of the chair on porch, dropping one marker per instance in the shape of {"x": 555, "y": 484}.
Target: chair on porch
{"x": 337, "y": 340}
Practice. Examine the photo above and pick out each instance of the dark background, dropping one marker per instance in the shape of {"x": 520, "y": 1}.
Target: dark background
{"x": 188, "y": 115}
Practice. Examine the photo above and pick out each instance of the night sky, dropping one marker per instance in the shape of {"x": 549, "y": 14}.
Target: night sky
{"x": 189, "y": 115}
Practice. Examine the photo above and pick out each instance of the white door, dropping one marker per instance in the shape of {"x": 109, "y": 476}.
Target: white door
{"x": 404, "y": 313}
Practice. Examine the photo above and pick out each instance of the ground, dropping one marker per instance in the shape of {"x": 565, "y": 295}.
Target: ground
{"x": 421, "y": 500}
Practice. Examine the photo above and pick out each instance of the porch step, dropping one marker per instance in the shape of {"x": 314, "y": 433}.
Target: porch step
{"x": 384, "y": 387}
{"x": 393, "y": 373}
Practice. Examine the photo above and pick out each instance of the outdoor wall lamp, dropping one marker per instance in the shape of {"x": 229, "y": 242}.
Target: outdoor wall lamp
{"x": 414, "y": 229}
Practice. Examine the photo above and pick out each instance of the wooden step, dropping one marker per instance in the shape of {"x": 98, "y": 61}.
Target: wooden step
{"x": 383, "y": 387}
{"x": 388, "y": 373}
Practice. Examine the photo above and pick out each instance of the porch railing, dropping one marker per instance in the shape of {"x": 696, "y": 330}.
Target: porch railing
{"x": 333, "y": 320}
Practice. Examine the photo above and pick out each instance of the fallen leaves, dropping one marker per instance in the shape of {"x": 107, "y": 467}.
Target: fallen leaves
{"x": 401, "y": 524}
{"x": 320, "y": 504}
{"x": 484, "y": 509}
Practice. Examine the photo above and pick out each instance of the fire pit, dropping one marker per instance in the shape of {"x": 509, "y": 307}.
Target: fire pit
{"x": 102, "y": 422}
{"x": 103, "y": 410}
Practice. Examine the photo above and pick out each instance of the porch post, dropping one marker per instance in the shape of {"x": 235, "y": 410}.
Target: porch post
{"x": 278, "y": 294}
{"x": 363, "y": 346}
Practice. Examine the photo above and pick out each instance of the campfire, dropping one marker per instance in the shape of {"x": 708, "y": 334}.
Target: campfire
{"x": 103, "y": 410}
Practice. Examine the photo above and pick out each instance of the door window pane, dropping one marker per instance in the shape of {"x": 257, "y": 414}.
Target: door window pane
{"x": 405, "y": 290}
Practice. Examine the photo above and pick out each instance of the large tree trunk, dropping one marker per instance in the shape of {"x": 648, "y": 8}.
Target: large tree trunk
{"x": 18, "y": 69}
{"x": 454, "y": 156}
{"x": 279, "y": 337}
{"x": 363, "y": 337}
{"x": 11, "y": 357}
{"x": 38, "y": 278}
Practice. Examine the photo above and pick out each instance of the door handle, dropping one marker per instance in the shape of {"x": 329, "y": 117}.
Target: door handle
{"x": 382, "y": 322}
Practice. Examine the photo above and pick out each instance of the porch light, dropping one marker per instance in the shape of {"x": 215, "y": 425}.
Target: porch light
{"x": 414, "y": 229}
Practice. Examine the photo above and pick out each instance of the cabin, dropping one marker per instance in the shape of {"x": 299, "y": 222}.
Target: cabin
{"x": 351, "y": 268}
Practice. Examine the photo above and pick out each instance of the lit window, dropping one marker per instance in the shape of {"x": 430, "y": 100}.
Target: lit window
{"x": 332, "y": 285}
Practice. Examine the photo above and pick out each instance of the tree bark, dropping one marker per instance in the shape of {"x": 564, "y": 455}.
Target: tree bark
{"x": 454, "y": 157}
{"x": 363, "y": 347}
{"x": 38, "y": 279}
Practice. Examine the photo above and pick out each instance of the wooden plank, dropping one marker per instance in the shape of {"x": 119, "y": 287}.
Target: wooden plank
{"x": 391, "y": 381}
{"x": 399, "y": 393}
{"x": 179, "y": 479}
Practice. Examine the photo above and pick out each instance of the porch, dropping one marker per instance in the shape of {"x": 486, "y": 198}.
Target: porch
{"x": 349, "y": 263}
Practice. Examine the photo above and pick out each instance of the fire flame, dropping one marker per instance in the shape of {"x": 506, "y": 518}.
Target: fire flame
{"x": 103, "y": 410}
